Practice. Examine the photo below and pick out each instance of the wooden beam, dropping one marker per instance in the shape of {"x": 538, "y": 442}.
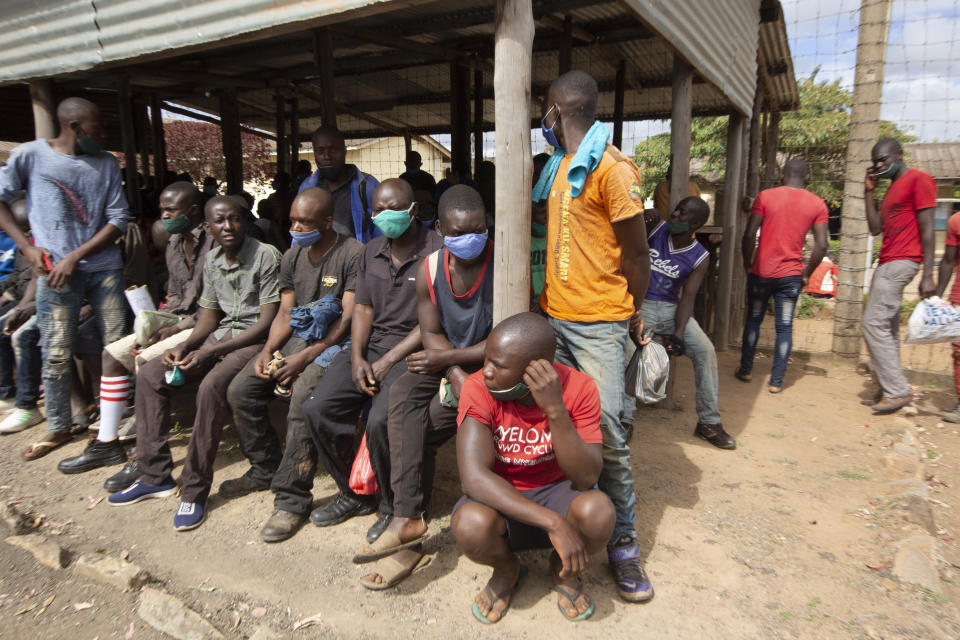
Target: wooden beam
{"x": 771, "y": 144}
{"x": 128, "y": 138}
{"x": 460, "y": 118}
{"x": 618, "y": 105}
{"x": 323, "y": 53}
{"x": 681, "y": 115}
{"x": 232, "y": 145}
{"x": 294, "y": 134}
{"x": 283, "y": 149}
{"x": 142, "y": 124}
{"x": 449, "y": 54}
{"x": 159, "y": 143}
{"x": 559, "y": 24}
{"x": 44, "y": 108}
{"x": 753, "y": 161}
{"x": 728, "y": 253}
{"x": 477, "y": 122}
{"x": 203, "y": 117}
{"x": 565, "y": 54}
{"x": 513, "y": 53}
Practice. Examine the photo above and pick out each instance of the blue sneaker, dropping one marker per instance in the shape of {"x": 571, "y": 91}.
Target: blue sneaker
{"x": 632, "y": 581}
{"x": 140, "y": 490}
{"x": 189, "y": 515}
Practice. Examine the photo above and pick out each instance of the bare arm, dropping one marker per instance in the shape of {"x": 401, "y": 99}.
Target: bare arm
{"x": 874, "y": 221}
{"x": 928, "y": 241}
{"x": 63, "y": 270}
{"x": 687, "y": 300}
{"x": 947, "y": 264}
{"x": 635, "y": 266}
{"x": 280, "y": 330}
{"x": 360, "y": 329}
{"x": 749, "y": 243}
{"x": 819, "y": 250}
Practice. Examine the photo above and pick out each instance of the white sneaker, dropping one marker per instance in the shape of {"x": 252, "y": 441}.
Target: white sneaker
{"x": 20, "y": 419}
{"x": 7, "y": 405}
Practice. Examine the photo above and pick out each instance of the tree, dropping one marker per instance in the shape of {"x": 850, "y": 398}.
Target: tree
{"x": 196, "y": 148}
{"x": 817, "y": 131}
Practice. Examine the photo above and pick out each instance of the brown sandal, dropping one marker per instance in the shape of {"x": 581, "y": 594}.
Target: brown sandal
{"x": 39, "y": 449}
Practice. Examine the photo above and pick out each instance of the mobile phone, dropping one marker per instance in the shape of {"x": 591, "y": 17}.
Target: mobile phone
{"x": 47, "y": 262}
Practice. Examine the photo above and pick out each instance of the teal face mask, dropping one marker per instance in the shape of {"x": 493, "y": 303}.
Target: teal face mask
{"x": 676, "y": 227}
{"x": 88, "y": 145}
{"x": 393, "y": 223}
{"x": 515, "y": 392}
{"x": 889, "y": 172}
{"x": 176, "y": 225}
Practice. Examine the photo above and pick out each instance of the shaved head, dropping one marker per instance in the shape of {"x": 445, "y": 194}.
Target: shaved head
{"x": 327, "y": 133}
{"x": 526, "y": 335}
{"x": 314, "y": 202}
{"x": 186, "y": 190}
{"x": 888, "y": 145}
{"x": 795, "y": 169}
{"x": 75, "y": 110}
{"x": 577, "y": 91}
{"x": 400, "y": 189}
{"x": 698, "y": 210}
{"x": 459, "y": 197}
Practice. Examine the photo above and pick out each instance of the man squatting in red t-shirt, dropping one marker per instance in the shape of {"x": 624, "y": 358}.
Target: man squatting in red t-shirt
{"x": 529, "y": 453}
{"x": 906, "y": 221}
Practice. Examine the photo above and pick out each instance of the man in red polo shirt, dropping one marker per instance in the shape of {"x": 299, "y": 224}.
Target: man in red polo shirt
{"x": 905, "y": 219}
{"x": 947, "y": 264}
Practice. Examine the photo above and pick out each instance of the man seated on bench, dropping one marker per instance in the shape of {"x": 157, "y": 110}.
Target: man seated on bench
{"x": 529, "y": 453}
{"x": 238, "y": 302}
{"x": 678, "y": 266}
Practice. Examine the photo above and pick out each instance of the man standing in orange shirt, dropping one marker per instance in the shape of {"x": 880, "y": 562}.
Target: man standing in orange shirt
{"x": 597, "y": 271}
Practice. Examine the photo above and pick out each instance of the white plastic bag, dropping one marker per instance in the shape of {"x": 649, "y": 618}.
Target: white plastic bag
{"x": 933, "y": 320}
{"x": 647, "y": 373}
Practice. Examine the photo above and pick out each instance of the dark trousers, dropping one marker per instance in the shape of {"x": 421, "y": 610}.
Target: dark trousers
{"x": 26, "y": 344}
{"x": 213, "y": 413}
{"x": 784, "y": 292}
{"x": 416, "y": 427}
{"x": 290, "y": 471}
{"x": 331, "y": 414}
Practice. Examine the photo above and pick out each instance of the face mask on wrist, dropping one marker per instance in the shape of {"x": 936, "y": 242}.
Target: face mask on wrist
{"x": 468, "y": 246}
{"x": 304, "y": 239}
{"x": 176, "y": 225}
{"x": 393, "y": 223}
{"x": 515, "y": 392}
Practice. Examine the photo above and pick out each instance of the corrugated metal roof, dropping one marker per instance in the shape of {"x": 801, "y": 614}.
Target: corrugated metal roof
{"x": 940, "y": 159}
{"x": 718, "y": 38}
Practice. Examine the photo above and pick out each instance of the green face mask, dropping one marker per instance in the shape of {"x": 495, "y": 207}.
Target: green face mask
{"x": 515, "y": 392}
{"x": 393, "y": 223}
{"x": 890, "y": 171}
{"x": 176, "y": 225}
{"x": 539, "y": 230}
{"x": 676, "y": 227}
{"x": 88, "y": 145}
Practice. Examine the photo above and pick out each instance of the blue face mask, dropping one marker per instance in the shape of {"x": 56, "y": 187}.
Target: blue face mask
{"x": 304, "y": 239}
{"x": 468, "y": 246}
{"x": 548, "y": 134}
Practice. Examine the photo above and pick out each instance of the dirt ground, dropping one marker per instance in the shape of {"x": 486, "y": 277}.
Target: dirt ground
{"x": 792, "y": 535}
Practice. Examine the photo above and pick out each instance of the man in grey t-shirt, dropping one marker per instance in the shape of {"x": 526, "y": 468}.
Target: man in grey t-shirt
{"x": 77, "y": 210}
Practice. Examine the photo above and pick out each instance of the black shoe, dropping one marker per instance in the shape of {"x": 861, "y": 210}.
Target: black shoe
{"x": 97, "y": 454}
{"x": 127, "y": 476}
{"x": 378, "y": 527}
{"x": 340, "y": 509}
{"x": 281, "y": 525}
{"x": 715, "y": 435}
{"x": 241, "y": 486}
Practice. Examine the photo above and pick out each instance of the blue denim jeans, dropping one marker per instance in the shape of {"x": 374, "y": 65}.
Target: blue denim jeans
{"x": 26, "y": 346}
{"x": 785, "y": 292}
{"x": 596, "y": 349}
{"x": 57, "y": 313}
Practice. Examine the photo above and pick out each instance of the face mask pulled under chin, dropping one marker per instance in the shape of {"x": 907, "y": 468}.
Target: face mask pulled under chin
{"x": 329, "y": 173}
{"x": 515, "y": 392}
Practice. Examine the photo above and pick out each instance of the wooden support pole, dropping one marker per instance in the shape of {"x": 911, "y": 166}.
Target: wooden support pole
{"x": 459, "y": 118}
{"x": 728, "y": 245}
{"x": 323, "y": 43}
{"x": 283, "y": 150}
{"x": 128, "y": 138}
{"x": 477, "y": 122}
{"x": 753, "y": 161}
{"x": 294, "y": 134}
{"x": 681, "y": 116}
{"x": 565, "y": 56}
{"x": 618, "y": 95}
{"x": 142, "y": 124}
{"x": 513, "y": 52}
{"x": 864, "y": 126}
{"x": 158, "y": 143}
{"x": 407, "y": 141}
{"x": 232, "y": 146}
{"x": 771, "y": 143}
{"x": 44, "y": 109}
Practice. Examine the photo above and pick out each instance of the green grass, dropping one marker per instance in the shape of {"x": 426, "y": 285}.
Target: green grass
{"x": 852, "y": 474}
{"x": 808, "y": 306}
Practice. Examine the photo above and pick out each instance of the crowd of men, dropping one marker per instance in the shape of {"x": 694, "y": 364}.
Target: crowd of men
{"x": 377, "y": 318}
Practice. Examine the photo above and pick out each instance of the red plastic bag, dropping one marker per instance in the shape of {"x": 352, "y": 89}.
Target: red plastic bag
{"x": 362, "y": 480}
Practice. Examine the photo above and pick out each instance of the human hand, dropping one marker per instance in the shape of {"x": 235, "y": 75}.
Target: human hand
{"x": 428, "y": 361}
{"x": 869, "y": 180}
{"x": 17, "y": 317}
{"x": 928, "y": 287}
{"x": 364, "y": 379}
{"x": 636, "y": 329}
{"x": 570, "y": 547}
{"x": 173, "y": 357}
{"x": 381, "y": 368}
{"x": 86, "y": 312}
{"x": 34, "y": 256}
{"x": 260, "y": 366}
{"x": 675, "y": 345}
{"x": 195, "y": 359}
{"x": 544, "y": 384}
{"x": 293, "y": 365}
{"x": 62, "y": 272}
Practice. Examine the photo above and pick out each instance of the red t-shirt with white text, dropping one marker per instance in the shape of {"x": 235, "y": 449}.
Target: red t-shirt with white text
{"x": 521, "y": 434}
{"x": 788, "y": 214}
{"x": 911, "y": 192}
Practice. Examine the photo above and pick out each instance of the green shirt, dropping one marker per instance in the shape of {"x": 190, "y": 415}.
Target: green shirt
{"x": 538, "y": 263}
{"x": 240, "y": 289}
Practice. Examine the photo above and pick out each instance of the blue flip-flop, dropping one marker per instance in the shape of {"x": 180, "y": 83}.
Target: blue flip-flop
{"x": 508, "y": 592}
{"x": 573, "y": 599}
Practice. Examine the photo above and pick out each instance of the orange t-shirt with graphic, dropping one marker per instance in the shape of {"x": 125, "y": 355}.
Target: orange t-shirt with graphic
{"x": 583, "y": 279}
